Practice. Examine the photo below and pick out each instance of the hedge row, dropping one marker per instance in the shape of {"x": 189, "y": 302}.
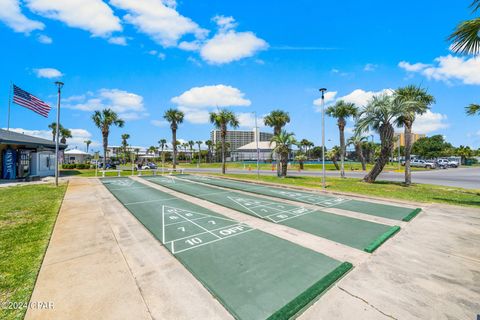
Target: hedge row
{"x": 78, "y": 166}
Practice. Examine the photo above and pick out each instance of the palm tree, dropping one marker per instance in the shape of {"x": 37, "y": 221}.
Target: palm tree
{"x": 301, "y": 158}
{"x": 209, "y": 144}
{"x": 413, "y": 101}
{"x": 87, "y": 143}
{"x": 277, "y": 119}
{"x": 334, "y": 154}
{"x": 103, "y": 120}
{"x": 53, "y": 127}
{"x": 163, "y": 144}
{"x": 152, "y": 150}
{"x": 199, "y": 143}
{"x": 303, "y": 144}
{"x": 175, "y": 117}
{"x": 125, "y": 137}
{"x": 357, "y": 140}
{"x": 221, "y": 120}
{"x": 463, "y": 152}
{"x": 465, "y": 39}
{"x": 191, "y": 144}
{"x": 379, "y": 115}
{"x": 342, "y": 111}
{"x": 283, "y": 146}
{"x": 64, "y": 134}
{"x": 473, "y": 109}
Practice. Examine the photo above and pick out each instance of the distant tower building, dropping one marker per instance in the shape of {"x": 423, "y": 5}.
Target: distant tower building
{"x": 238, "y": 138}
{"x": 415, "y": 137}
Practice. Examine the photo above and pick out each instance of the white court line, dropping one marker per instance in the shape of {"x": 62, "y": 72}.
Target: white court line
{"x": 223, "y": 238}
{"x": 163, "y": 224}
{"x": 199, "y": 226}
{"x": 147, "y": 201}
{"x": 205, "y": 215}
{"x": 249, "y": 209}
{"x": 130, "y": 188}
{"x": 205, "y": 232}
{"x": 290, "y": 211}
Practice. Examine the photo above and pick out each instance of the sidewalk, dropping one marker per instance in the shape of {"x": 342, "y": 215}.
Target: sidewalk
{"x": 102, "y": 264}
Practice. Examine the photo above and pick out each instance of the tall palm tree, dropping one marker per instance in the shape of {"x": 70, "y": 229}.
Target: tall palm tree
{"x": 342, "y": 111}
{"x": 162, "y": 143}
{"x": 465, "y": 39}
{"x": 357, "y": 140}
{"x": 104, "y": 120}
{"x": 64, "y": 134}
{"x": 304, "y": 144}
{"x": 413, "y": 100}
{"x": 277, "y": 119}
{"x": 175, "y": 117}
{"x": 125, "y": 137}
{"x": 283, "y": 146}
{"x": 221, "y": 120}
{"x": 152, "y": 150}
{"x": 209, "y": 145}
{"x": 199, "y": 144}
{"x": 87, "y": 143}
{"x": 191, "y": 144}
{"x": 379, "y": 115}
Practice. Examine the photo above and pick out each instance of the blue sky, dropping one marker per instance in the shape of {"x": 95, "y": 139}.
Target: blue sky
{"x": 142, "y": 57}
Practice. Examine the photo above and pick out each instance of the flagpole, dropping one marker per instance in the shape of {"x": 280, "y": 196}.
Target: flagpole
{"x": 57, "y": 130}
{"x": 9, "y": 103}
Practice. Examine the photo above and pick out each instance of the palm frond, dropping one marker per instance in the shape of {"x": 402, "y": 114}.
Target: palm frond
{"x": 473, "y": 109}
{"x": 475, "y": 5}
{"x": 465, "y": 38}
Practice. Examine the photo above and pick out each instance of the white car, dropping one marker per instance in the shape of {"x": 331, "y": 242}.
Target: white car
{"x": 423, "y": 164}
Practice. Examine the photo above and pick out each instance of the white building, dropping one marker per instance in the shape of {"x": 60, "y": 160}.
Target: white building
{"x": 248, "y": 152}
{"x": 75, "y": 156}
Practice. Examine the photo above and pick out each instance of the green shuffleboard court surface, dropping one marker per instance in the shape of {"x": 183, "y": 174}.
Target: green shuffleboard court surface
{"x": 375, "y": 209}
{"x": 356, "y": 233}
{"x": 253, "y": 274}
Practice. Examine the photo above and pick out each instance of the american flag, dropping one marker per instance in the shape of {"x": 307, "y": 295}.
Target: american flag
{"x": 29, "y": 101}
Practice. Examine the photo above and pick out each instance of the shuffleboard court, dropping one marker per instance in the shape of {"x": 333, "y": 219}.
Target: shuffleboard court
{"x": 255, "y": 275}
{"x": 375, "y": 209}
{"x": 356, "y": 233}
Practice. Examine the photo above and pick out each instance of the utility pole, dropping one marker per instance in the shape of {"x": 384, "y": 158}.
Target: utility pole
{"x": 59, "y": 85}
{"x": 322, "y": 90}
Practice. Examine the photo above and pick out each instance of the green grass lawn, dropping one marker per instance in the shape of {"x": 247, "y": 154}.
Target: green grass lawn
{"x": 384, "y": 189}
{"x": 27, "y": 216}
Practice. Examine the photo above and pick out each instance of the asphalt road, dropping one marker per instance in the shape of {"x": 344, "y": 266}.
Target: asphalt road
{"x": 468, "y": 178}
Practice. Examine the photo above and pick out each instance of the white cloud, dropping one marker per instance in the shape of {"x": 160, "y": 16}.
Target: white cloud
{"x": 190, "y": 45}
{"x": 159, "y": 20}
{"x": 44, "y": 39}
{"x": 77, "y": 140}
{"x": 121, "y": 41}
{"x": 329, "y": 97}
{"x": 211, "y": 96}
{"x": 48, "y": 73}
{"x": 247, "y": 120}
{"x": 430, "y": 122}
{"x": 412, "y": 67}
{"x": 229, "y": 45}
{"x": 11, "y": 15}
{"x": 128, "y": 105}
{"x": 370, "y": 67}
{"x": 448, "y": 68}
{"x": 196, "y": 116}
{"x": 159, "y": 55}
{"x": 361, "y": 97}
{"x": 198, "y": 101}
{"x": 94, "y": 16}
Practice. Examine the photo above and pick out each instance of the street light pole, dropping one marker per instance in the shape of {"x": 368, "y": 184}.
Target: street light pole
{"x": 59, "y": 85}
{"x": 257, "y": 137}
{"x": 322, "y": 90}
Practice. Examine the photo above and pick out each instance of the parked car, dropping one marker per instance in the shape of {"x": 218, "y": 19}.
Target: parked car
{"x": 442, "y": 163}
{"x": 453, "y": 163}
{"x": 423, "y": 164}
{"x": 149, "y": 165}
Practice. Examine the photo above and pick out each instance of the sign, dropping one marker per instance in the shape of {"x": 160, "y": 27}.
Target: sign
{"x": 9, "y": 164}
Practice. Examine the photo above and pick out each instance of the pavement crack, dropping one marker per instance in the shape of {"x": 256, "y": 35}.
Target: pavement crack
{"x": 371, "y": 305}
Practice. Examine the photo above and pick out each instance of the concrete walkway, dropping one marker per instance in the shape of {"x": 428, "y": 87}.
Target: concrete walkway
{"x": 103, "y": 264}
